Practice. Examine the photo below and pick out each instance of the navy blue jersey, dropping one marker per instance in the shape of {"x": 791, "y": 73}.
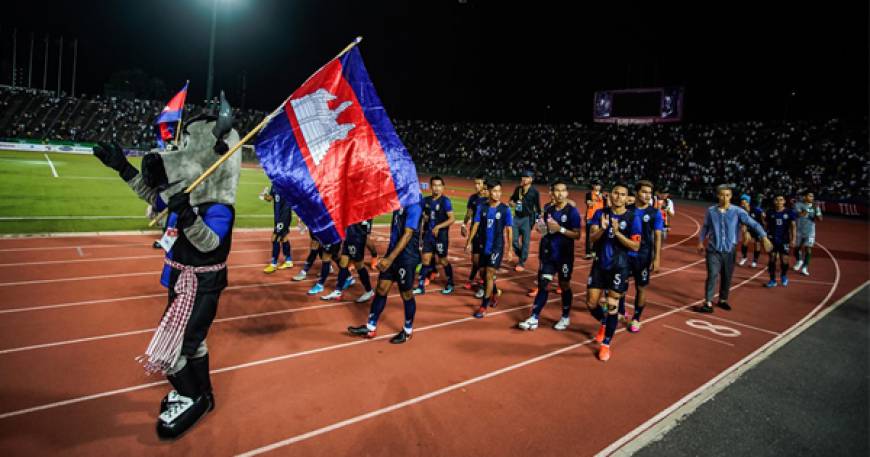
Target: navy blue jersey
{"x": 610, "y": 251}
{"x": 281, "y": 207}
{"x": 436, "y": 210}
{"x": 557, "y": 247}
{"x": 492, "y": 220}
{"x": 357, "y": 233}
{"x": 403, "y": 218}
{"x": 757, "y": 213}
{"x": 650, "y": 221}
{"x": 779, "y": 225}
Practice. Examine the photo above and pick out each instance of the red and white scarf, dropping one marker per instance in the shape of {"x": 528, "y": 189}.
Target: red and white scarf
{"x": 165, "y": 346}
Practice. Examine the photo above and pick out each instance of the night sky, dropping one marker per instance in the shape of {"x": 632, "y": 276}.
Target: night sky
{"x": 477, "y": 61}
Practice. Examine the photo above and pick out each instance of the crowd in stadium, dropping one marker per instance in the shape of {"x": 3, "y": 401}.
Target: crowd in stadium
{"x": 688, "y": 159}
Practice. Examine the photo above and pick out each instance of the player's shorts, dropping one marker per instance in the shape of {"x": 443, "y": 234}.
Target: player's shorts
{"x": 615, "y": 279}
{"x": 781, "y": 247}
{"x": 563, "y": 269}
{"x": 401, "y": 272}
{"x": 438, "y": 244}
{"x": 640, "y": 270}
{"x": 354, "y": 249}
{"x": 332, "y": 249}
{"x": 493, "y": 259}
{"x": 806, "y": 237}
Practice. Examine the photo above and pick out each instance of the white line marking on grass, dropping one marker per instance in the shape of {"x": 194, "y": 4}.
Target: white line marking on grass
{"x": 53, "y": 170}
{"x": 699, "y": 336}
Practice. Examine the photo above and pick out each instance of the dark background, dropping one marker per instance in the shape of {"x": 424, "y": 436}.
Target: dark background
{"x": 475, "y": 61}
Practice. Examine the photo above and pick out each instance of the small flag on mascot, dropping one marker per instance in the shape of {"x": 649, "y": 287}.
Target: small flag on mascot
{"x": 170, "y": 115}
{"x": 334, "y": 154}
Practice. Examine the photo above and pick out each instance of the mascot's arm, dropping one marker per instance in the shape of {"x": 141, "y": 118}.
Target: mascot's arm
{"x": 206, "y": 233}
{"x": 149, "y": 194}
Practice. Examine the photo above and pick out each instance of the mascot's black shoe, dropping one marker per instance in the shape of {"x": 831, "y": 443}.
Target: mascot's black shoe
{"x": 400, "y": 337}
{"x": 200, "y": 368}
{"x": 188, "y": 407}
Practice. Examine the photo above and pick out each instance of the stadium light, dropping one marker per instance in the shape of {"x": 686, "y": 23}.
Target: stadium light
{"x": 210, "y": 83}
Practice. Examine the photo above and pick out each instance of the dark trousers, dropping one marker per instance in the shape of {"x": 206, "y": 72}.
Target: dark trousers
{"x": 719, "y": 263}
{"x": 522, "y": 228}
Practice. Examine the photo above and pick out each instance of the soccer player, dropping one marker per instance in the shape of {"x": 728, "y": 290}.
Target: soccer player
{"x": 328, "y": 254}
{"x": 594, "y": 202}
{"x": 781, "y": 225}
{"x": 353, "y": 249}
{"x": 437, "y": 219}
{"x": 560, "y": 226}
{"x": 526, "y": 202}
{"x": 403, "y": 255}
{"x": 497, "y": 221}
{"x": 648, "y": 258}
{"x": 614, "y": 232}
{"x": 748, "y": 235}
{"x": 280, "y": 233}
{"x": 808, "y": 213}
{"x": 478, "y": 198}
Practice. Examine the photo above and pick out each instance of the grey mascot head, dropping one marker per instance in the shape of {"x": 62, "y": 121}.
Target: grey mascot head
{"x": 204, "y": 140}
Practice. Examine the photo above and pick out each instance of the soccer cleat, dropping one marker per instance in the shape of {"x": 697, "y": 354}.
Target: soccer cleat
{"x": 771, "y": 284}
{"x": 562, "y": 324}
{"x": 533, "y": 292}
{"x": 599, "y": 337}
{"x": 287, "y": 264}
{"x": 348, "y": 282}
{"x": 447, "y": 289}
{"x": 419, "y": 291}
{"x": 334, "y": 295}
{"x": 157, "y": 245}
{"x": 634, "y": 327}
{"x": 480, "y": 293}
{"x": 742, "y": 261}
{"x": 804, "y": 271}
{"x": 271, "y": 268}
{"x": 480, "y": 313}
{"x": 519, "y": 268}
{"x": 754, "y": 264}
{"x": 315, "y": 289}
{"x": 529, "y": 324}
{"x": 363, "y": 331}
{"x": 366, "y": 296}
{"x": 468, "y": 286}
{"x": 798, "y": 265}
{"x": 785, "y": 281}
{"x": 400, "y": 337}
{"x": 300, "y": 276}
{"x": 604, "y": 353}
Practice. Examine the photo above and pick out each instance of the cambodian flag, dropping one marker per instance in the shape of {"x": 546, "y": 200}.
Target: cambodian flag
{"x": 333, "y": 153}
{"x": 170, "y": 116}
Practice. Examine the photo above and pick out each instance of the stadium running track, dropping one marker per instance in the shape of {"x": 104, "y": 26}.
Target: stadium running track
{"x": 289, "y": 380}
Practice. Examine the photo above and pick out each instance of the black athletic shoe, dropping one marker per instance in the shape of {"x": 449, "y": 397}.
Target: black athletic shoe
{"x": 724, "y": 305}
{"x": 156, "y": 245}
{"x": 705, "y": 308}
{"x": 363, "y": 331}
{"x": 400, "y": 337}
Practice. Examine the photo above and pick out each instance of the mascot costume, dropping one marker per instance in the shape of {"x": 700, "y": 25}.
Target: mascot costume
{"x": 197, "y": 241}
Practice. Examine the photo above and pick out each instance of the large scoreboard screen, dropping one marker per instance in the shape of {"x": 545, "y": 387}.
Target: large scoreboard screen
{"x": 638, "y": 106}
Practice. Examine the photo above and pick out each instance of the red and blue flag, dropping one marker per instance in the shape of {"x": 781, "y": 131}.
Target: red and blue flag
{"x": 333, "y": 153}
{"x": 169, "y": 117}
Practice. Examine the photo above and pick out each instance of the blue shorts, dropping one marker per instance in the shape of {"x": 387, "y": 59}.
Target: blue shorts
{"x": 491, "y": 260}
{"x": 780, "y": 247}
{"x": 438, "y": 245}
{"x": 563, "y": 269}
{"x": 401, "y": 272}
{"x": 640, "y": 270}
{"x": 355, "y": 249}
{"x": 331, "y": 249}
{"x": 615, "y": 279}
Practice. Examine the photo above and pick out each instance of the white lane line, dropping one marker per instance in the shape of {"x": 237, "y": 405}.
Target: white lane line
{"x": 666, "y": 419}
{"x": 699, "y": 336}
{"x": 53, "y": 170}
{"x": 78, "y": 249}
{"x": 299, "y": 354}
{"x": 446, "y": 389}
